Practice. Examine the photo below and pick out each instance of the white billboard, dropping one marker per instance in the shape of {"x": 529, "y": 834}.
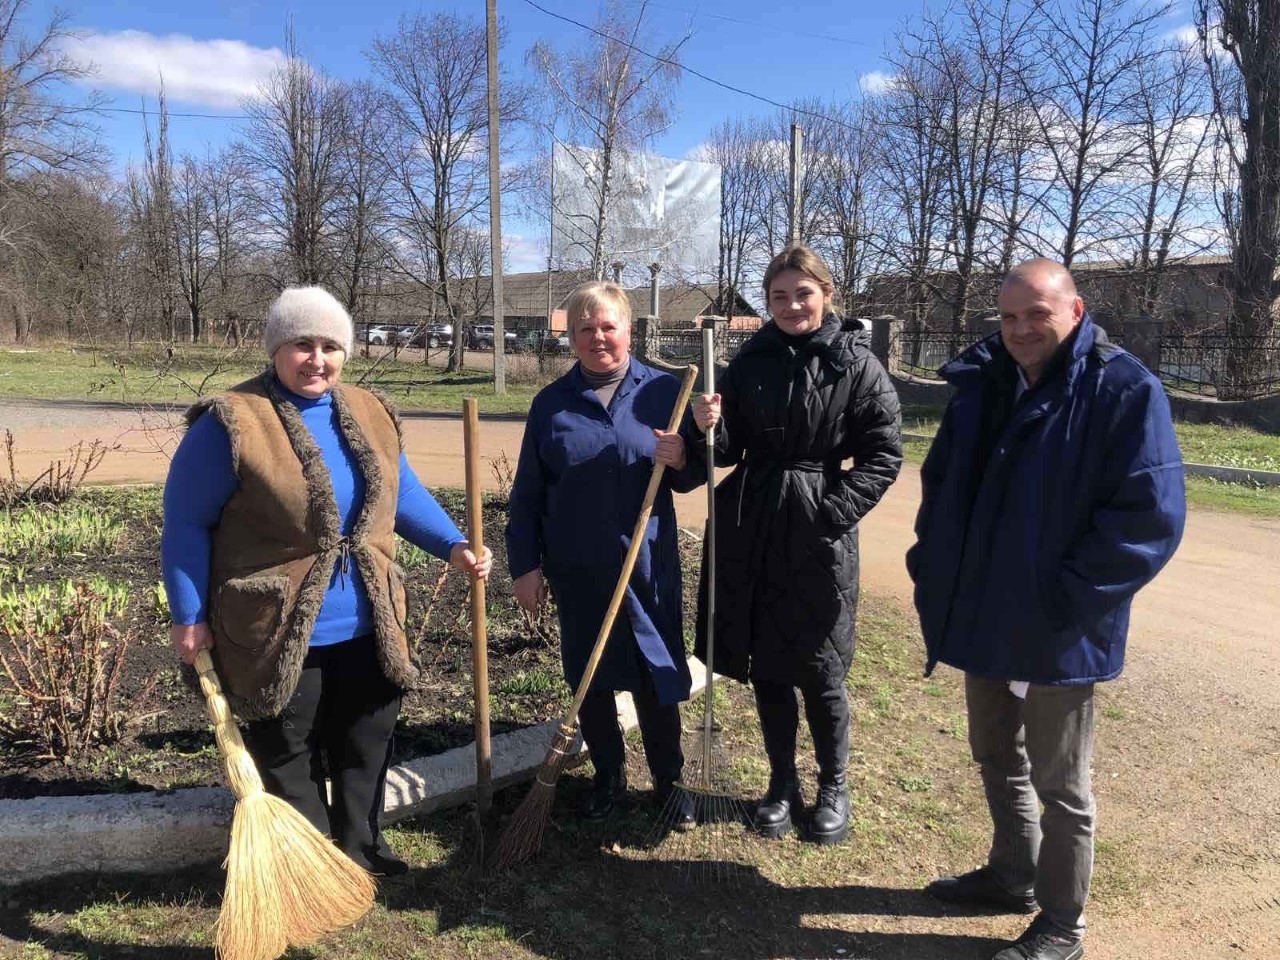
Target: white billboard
{"x": 659, "y": 211}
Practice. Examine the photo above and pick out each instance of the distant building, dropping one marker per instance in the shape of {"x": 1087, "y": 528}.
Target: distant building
{"x": 1194, "y": 296}
{"x": 531, "y": 298}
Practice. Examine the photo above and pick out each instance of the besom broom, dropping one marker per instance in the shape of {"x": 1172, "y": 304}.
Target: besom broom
{"x": 288, "y": 885}
{"x": 522, "y": 837}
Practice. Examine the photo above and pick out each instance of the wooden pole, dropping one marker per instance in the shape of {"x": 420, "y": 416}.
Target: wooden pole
{"x": 495, "y": 206}
{"x": 795, "y": 213}
{"x": 479, "y": 624}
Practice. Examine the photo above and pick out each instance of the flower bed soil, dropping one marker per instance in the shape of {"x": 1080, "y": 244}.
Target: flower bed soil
{"x": 167, "y": 743}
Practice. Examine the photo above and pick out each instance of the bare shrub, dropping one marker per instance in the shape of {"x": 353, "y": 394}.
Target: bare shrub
{"x": 62, "y": 660}
{"x": 57, "y": 482}
{"x": 504, "y": 473}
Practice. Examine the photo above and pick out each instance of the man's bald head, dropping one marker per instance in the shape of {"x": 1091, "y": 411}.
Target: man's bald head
{"x": 1039, "y": 310}
{"x": 1044, "y": 272}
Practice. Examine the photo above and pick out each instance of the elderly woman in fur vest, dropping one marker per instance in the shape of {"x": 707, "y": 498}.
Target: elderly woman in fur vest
{"x": 281, "y": 511}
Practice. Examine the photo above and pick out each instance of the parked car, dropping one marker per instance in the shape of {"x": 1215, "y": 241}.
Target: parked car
{"x": 480, "y": 337}
{"x": 433, "y": 336}
{"x": 380, "y": 336}
{"x": 543, "y": 341}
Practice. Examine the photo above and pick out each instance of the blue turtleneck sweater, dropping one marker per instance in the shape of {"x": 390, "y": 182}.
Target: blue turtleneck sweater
{"x": 201, "y": 481}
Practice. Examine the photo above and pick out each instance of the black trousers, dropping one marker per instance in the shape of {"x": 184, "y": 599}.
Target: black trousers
{"x": 659, "y": 729}
{"x": 826, "y": 707}
{"x": 339, "y": 722}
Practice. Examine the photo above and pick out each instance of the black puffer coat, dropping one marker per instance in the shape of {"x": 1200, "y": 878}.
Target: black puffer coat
{"x": 787, "y": 516}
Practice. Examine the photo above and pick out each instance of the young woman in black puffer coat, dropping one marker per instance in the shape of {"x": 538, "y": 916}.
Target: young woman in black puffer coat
{"x": 802, "y": 398}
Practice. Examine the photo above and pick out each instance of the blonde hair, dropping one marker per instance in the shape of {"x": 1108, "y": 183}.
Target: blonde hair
{"x": 586, "y": 298}
{"x": 802, "y": 258}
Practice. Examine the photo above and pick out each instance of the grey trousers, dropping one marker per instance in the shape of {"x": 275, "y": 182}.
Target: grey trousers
{"x": 1032, "y": 752}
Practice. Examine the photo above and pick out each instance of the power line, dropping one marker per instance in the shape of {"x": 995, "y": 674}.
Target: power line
{"x": 156, "y": 113}
{"x": 771, "y": 27}
{"x": 690, "y": 70}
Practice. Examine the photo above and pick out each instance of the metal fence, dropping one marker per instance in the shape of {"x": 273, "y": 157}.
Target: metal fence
{"x": 685, "y": 346}
{"x": 922, "y": 352}
{"x": 1222, "y": 365}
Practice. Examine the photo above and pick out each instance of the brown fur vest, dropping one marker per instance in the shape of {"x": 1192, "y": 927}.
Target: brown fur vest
{"x": 275, "y": 547}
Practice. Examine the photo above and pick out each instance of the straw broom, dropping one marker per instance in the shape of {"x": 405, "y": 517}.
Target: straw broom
{"x": 287, "y": 884}
{"x": 522, "y": 837}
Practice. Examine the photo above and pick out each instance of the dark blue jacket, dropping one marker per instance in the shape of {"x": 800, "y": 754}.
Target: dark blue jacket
{"x": 581, "y": 479}
{"x": 1024, "y": 569}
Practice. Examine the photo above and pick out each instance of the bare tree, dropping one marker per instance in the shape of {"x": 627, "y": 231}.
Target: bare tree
{"x": 40, "y": 131}
{"x": 1246, "y": 95}
{"x": 609, "y": 99}
{"x": 970, "y": 60}
{"x": 363, "y": 221}
{"x": 846, "y": 211}
{"x": 737, "y": 147}
{"x": 913, "y": 165}
{"x": 435, "y": 70}
{"x": 195, "y": 241}
{"x": 152, "y": 201}
{"x": 1173, "y": 128}
{"x": 293, "y": 146}
{"x": 1083, "y": 97}
{"x": 231, "y": 218}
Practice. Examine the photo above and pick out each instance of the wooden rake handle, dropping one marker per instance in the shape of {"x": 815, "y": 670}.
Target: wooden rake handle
{"x": 479, "y": 627}
{"x": 629, "y": 564}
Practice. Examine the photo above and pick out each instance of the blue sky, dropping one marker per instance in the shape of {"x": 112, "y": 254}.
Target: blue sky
{"x": 211, "y": 53}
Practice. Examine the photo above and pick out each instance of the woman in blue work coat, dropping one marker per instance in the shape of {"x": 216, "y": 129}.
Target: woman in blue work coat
{"x": 590, "y": 445}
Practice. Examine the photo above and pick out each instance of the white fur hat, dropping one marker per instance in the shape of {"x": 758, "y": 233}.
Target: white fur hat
{"x": 301, "y": 312}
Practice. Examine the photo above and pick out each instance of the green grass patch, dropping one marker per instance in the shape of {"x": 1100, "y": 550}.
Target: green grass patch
{"x": 535, "y": 682}
{"x": 1229, "y": 446}
{"x": 39, "y": 533}
{"x": 147, "y": 374}
{"x": 1208, "y": 443}
{"x": 1210, "y": 494}
{"x": 43, "y": 608}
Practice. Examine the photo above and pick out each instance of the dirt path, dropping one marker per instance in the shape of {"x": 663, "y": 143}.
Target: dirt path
{"x": 1188, "y": 757}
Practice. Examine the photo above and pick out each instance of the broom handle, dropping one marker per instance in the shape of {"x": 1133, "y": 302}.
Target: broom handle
{"x": 242, "y": 775}
{"x": 637, "y": 539}
{"x": 709, "y": 548}
{"x": 479, "y": 623}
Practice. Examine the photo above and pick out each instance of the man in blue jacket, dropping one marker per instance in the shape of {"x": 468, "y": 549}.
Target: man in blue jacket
{"x": 1053, "y": 492}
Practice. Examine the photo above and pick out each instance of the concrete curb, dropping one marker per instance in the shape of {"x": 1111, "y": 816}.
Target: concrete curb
{"x": 160, "y": 832}
{"x": 1262, "y": 478}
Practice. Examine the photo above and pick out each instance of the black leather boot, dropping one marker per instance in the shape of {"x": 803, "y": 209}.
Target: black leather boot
{"x": 830, "y": 820}
{"x": 607, "y": 791}
{"x": 782, "y": 802}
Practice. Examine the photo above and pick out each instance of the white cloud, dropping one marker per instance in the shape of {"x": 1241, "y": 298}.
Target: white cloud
{"x": 876, "y": 83}
{"x": 522, "y": 253}
{"x": 1185, "y": 36}
{"x": 216, "y": 73}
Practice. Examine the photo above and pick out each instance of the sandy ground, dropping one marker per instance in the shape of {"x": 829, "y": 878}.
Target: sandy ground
{"x": 1190, "y": 795}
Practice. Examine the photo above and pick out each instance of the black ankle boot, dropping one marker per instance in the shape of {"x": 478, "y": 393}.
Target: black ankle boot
{"x": 773, "y": 815}
{"x": 607, "y": 791}
{"x": 830, "y": 820}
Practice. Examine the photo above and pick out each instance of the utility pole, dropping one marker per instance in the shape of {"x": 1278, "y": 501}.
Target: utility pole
{"x": 795, "y": 213}
{"x": 495, "y": 206}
